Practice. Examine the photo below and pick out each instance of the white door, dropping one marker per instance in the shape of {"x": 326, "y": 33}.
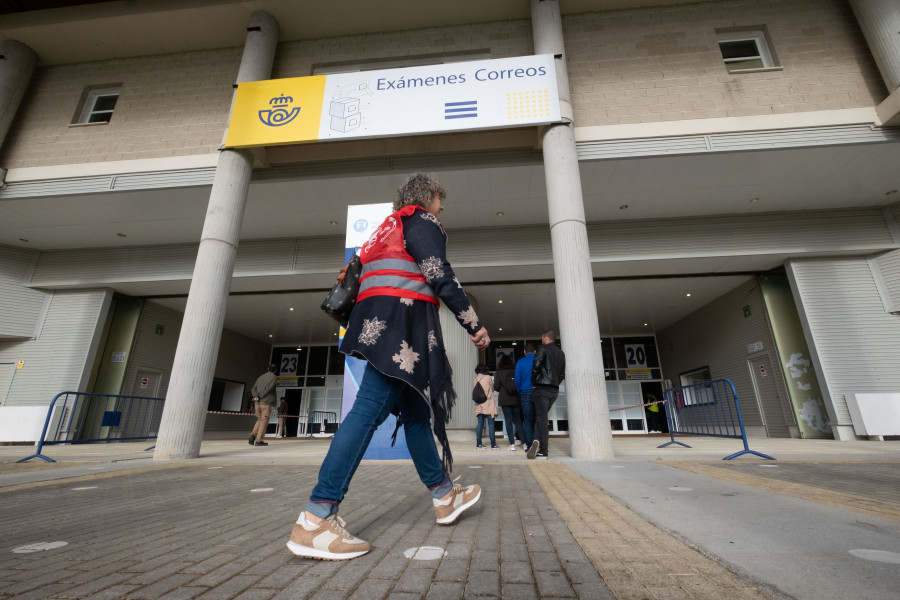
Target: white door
{"x": 146, "y": 383}
{"x": 768, "y": 400}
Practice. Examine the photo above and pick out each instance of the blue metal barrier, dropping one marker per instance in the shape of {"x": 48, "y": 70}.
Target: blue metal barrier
{"x": 81, "y": 418}
{"x": 324, "y": 419}
{"x": 709, "y": 408}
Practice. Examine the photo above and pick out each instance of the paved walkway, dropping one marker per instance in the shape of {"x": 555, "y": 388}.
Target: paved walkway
{"x": 107, "y": 521}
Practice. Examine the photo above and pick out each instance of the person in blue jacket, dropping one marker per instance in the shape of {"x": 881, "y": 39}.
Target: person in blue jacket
{"x": 523, "y": 386}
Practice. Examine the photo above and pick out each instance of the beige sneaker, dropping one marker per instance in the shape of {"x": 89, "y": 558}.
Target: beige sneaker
{"x": 328, "y": 541}
{"x": 457, "y": 500}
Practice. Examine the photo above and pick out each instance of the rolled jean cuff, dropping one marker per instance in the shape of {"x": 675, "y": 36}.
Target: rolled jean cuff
{"x": 323, "y": 510}
{"x": 439, "y": 491}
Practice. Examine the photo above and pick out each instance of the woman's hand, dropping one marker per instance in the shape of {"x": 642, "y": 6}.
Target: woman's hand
{"x": 481, "y": 339}
{"x": 342, "y": 274}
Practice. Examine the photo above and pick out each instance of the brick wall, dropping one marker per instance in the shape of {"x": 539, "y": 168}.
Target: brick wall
{"x": 663, "y": 64}
{"x": 170, "y": 105}
{"x": 628, "y": 66}
{"x": 500, "y": 39}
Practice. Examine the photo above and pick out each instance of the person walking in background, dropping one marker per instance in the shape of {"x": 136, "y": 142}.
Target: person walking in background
{"x": 282, "y": 417}
{"x": 487, "y": 410}
{"x": 524, "y": 387}
{"x": 263, "y": 392}
{"x": 547, "y": 372}
{"x": 508, "y": 399}
{"x": 395, "y": 328}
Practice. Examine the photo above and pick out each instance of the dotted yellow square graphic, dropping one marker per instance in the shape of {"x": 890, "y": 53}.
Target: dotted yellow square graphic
{"x": 533, "y": 104}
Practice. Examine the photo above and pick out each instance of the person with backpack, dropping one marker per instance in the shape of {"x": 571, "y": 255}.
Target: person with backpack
{"x": 508, "y": 398}
{"x": 485, "y": 407}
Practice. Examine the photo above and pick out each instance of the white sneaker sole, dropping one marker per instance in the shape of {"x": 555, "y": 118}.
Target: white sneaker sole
{"x": 449, "y": 519}
{"x": 308, "y": 552}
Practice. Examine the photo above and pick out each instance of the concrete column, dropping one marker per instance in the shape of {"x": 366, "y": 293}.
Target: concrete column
{"x": 181, "y": 429}
{"x": 17, "y": 64}
{"x": 880, "y": 23}
{"x": 589, "y": 427}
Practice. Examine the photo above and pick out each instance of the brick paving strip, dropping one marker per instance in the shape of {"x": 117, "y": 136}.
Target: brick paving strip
{"x": 880, "y": 480}
{"x": 637, "y": 560}
{"x": 218, "y": 532}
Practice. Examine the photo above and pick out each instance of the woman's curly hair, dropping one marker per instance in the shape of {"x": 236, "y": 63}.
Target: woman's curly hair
{"x": 419, "y": 189}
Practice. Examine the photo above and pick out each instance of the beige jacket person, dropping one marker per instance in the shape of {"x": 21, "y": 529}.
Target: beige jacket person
{"x": 489, "y": 407}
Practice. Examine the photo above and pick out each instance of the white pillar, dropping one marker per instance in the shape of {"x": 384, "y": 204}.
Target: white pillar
{"x": 16, "y": 68}
{"x": 589, "y": 428}
{"x": 880, "y": 24}
{"x": 184, "y": 415}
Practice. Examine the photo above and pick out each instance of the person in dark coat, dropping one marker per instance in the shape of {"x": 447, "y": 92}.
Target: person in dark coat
{"x": 547, "y": 372}
{"x": 395, "y": 328}
{"x": 508, "y": 398}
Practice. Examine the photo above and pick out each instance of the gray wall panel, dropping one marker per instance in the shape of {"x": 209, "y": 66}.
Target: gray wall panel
{"x": 888, "y": 266}
{"x": 855, "y": 340}
{"x": 55, "y": 361}
{"x": 21, "y": 308}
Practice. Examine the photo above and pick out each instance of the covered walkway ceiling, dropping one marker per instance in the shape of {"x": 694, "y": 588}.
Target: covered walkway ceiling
{"x": 290, "y": 203}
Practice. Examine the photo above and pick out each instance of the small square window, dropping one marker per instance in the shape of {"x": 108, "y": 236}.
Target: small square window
{"x": 97, "y": 104}
{"x": 745, "y": 50}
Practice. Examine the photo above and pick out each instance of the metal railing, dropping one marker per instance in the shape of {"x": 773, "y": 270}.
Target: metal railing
{"x": 82, "y": 418}
{"x": 709, "y": 408}
{"x": 324, "y": 419}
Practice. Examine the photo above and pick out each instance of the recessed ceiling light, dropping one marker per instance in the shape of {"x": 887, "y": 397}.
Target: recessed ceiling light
{"x": 515, "y": 343}
{"x": 890, "y": 192}
{"x": 754, "y": 200}
{"x": 688, "y": 294}
{"x": 499, "y": 329}
{"x": 499, "y": 301}
{"x": 623, "y": 207}
{"x": 298, "y": 348}
{"x": 270, "y": 335}
{"x": 645, "y": 325}
{"x": 333, "y": 222}
{"x": 291, "y": 308}
{"x": 500, "y": 213}
{"x": 121, "y": 235}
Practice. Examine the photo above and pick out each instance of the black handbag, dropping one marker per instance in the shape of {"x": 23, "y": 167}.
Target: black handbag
{"x": 342, "y": 297}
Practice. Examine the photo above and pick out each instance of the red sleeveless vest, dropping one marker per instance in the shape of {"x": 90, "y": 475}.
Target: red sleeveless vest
{"x": 388, "y": 269}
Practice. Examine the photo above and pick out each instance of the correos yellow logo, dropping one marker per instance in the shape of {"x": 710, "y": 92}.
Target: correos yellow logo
{"x": 278, "y": 111}
{"x": 282, "y": 114}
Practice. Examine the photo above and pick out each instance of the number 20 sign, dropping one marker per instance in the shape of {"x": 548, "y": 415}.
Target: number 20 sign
{"x": 635, "y": 356}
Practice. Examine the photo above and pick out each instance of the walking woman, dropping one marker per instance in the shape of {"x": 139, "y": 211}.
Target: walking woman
{"x": 395, "y": 328}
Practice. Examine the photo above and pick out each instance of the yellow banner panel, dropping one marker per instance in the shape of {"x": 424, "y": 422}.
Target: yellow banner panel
{"x": 277, "y": 111}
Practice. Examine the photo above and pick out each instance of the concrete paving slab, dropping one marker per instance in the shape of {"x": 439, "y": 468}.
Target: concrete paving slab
{"x": 651, "y": 523}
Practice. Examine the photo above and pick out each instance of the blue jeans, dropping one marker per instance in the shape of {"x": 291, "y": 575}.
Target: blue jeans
{"x": 512, "y": 423}
{"x": 527, "y": 416}
{"x": 377, "y": 394}
{"x": 480, "y": 427}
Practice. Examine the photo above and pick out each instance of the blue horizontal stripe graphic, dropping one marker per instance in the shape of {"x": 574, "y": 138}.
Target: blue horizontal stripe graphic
{"x": 466, "y": 103}
{"x": 460, "y": 116}
{"x": 458, "y": 110}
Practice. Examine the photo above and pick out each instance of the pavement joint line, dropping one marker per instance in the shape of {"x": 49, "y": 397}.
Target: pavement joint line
{"x": 861, "y": 504}
{"x": 87, "y": 477}
{"x": 635, "y": 558}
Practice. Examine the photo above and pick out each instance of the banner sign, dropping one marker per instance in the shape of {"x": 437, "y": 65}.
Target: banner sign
{"x": 362, "y": 221}
{"x": 485, "y": 94}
